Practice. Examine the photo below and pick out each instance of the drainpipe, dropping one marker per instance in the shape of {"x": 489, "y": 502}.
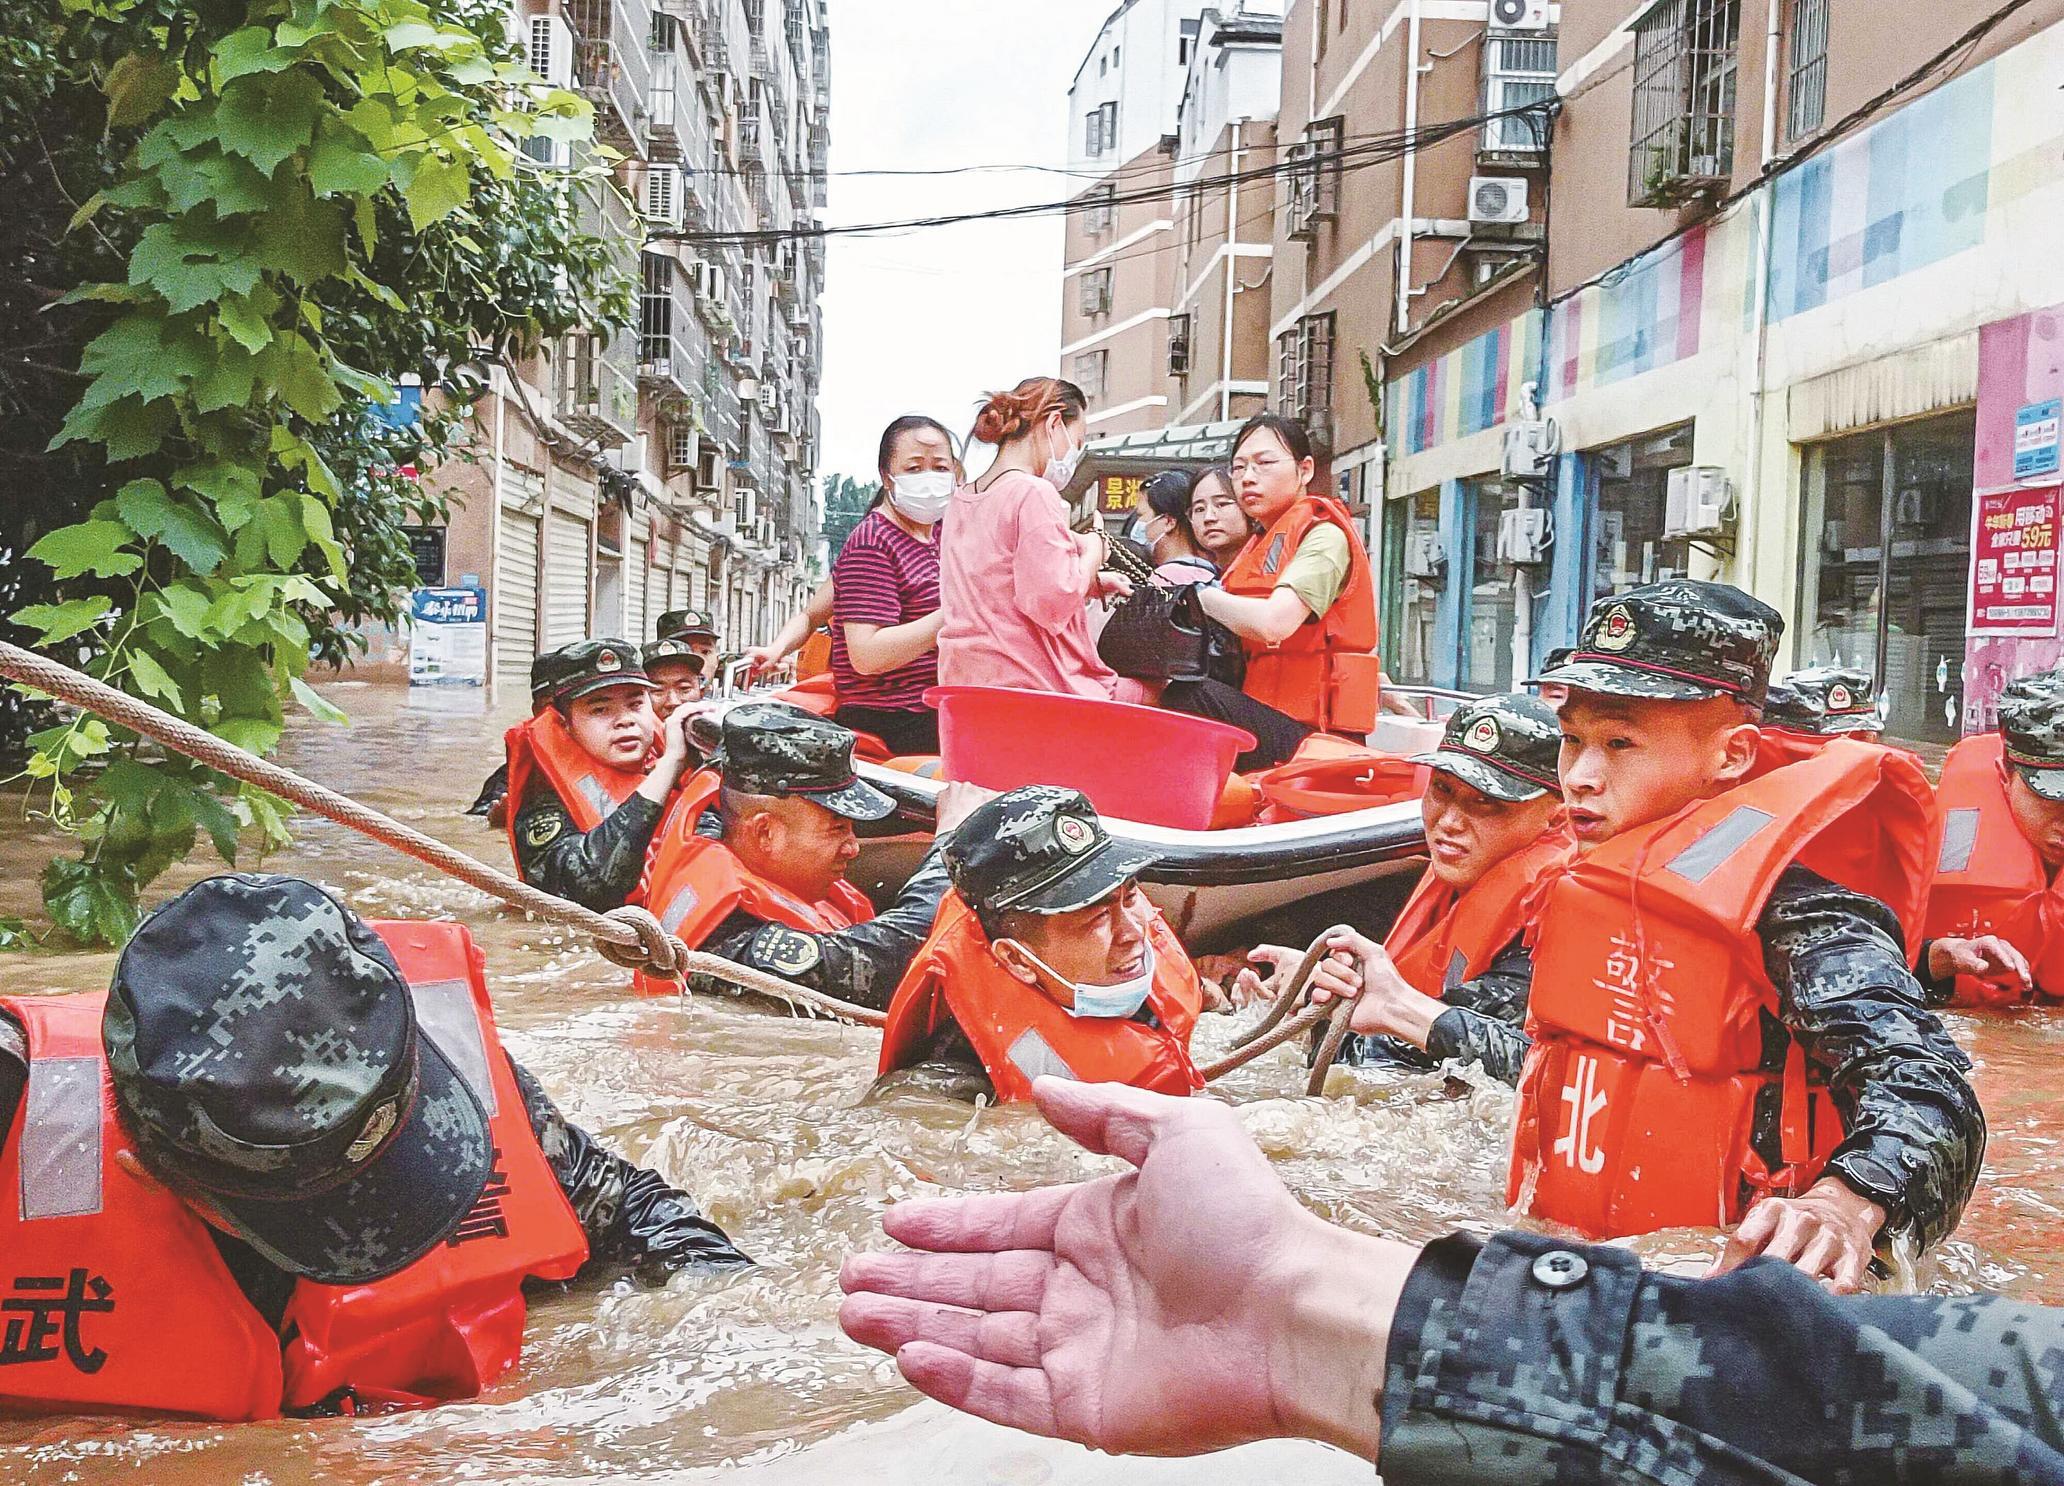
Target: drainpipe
{"x": 494, "y": 529}
{"x": 1411, "y": 193}
{"x": 1752, "y": 465}
{"x": 1232, "y": 273}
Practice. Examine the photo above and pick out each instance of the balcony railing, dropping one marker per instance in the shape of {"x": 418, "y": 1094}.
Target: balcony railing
{"x": 596, "y": 387}
{"x": 613, "y": 65}
{"x": 673, "y": 349}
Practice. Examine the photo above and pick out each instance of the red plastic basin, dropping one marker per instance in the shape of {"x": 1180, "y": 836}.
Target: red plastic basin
{"x": 1134, "y": 763}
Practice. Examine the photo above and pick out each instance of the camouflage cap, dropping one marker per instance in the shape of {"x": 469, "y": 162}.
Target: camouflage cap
{"x": 1507, "y": 747}
{"x": 265, "y": 1056}
{"x": 2031, "y": 716}
{"x": 1680, "y": 641}
{"x": 685, "y": 624}
{"x": 771, "y": 748}
{"x": 671, "y": 652}
{"x": 1824, "y": 701}
{"x": 573, "y": 671}
{"x": 1040, "y": 849}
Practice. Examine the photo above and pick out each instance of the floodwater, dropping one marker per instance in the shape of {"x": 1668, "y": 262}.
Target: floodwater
{"x": 766, "y": 1120}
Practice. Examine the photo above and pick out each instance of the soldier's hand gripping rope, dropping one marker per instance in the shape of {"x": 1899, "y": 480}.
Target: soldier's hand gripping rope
{"x": 1280, "y": 1026}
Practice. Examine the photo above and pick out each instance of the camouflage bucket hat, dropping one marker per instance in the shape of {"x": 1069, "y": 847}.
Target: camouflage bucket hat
{"x": 579, "y": 670}
{"x": 2031, "y": 715}
{"x": 771, "y": 748}
{"x": 1680, "y": 641}
{"x": 265, "y": 1056}
{"x": 1824, "y": 701}
{"x": 1508, "y": 747}
{"x": 1040, "y": 849}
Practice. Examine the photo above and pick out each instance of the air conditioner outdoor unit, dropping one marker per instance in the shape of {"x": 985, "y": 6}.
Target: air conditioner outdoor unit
{"x": 663, "y": 195}
{"x": 1520, "y": 15}
{"x": 1424, "y": 557}
{"x": 1497, "y": 200}
{"x": 1524, "y": 536}
{"x": 1531, "y": 445}
{"x": 1700, "y": 503}
{"x": 551, "y": 50}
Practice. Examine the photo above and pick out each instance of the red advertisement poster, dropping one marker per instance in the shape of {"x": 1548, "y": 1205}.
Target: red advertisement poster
{"x": 2014, "y": 563}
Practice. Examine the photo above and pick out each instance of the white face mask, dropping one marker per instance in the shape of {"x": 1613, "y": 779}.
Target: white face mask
{"x": 1111, "y": 1003}
{"x": 923, "y": 496}
{"x": 1060, "y": 469}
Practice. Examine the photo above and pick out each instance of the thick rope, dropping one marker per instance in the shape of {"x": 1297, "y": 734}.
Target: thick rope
{"x": 626, "y": 936}
{"x": 1279, "y": 1027}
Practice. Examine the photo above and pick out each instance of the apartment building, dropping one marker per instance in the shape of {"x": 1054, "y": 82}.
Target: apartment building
{"x": 613, "y": 477}
{"x": 1796, "y": 324}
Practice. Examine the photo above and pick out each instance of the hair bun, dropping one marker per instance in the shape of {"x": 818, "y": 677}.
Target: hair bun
{"x": 1003, "y": 417}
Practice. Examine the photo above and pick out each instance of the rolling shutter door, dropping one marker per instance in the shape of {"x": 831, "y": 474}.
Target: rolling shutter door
{"x": 566, "y": 579}
{"x": 637, "y": 575}
{"x": 516, "y": 602}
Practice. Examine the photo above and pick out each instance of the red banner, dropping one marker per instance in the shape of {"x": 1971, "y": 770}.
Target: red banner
{"x": 2014, "y": 563}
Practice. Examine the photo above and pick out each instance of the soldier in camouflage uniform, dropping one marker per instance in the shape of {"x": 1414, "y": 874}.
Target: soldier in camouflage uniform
{"x": 783, "y": 768}
{"x": 271, "y": 1067}
{"x": 1915, "y": 1133}
{"x": 1522, "y": 1360}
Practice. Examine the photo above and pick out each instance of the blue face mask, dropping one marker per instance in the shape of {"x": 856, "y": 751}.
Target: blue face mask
{"x": 1109, "y": 1003}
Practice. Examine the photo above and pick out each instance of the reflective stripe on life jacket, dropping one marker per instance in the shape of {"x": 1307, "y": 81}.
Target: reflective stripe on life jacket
{"x": 1326, "y": 674}
{"x": 113, "y": 1295}
{"x": 452, "y": 1322}
{"x": 1640, "y": 1098}
{"x": 1990, "y": 879}
{"x": 1020, "y": 1033}
{"x": 590, "y": 791}
{"x": 1443, "y": 939}
{"x": 694, "y": 883}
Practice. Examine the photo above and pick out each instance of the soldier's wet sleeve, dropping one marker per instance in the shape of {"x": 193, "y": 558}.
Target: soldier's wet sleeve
{"x": 1527, "y": 1360}
{"x": 1501, "y": 991}
{"x": 597, "y": 869}
{"x": 862, "y": 964}
{"x": 633, "y": 1217}
{"x": 1916, "y": 1134}
{"x": 1460, "y": 1035}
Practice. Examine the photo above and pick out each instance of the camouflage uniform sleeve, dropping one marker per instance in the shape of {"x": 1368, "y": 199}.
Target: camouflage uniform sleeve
{"x": 633, "y": 1217}
{"x": 599, "y": 869}
{"x": 862, "y": 964}
{"x": 1916, "y": 1135}
{"x": 1534, "y": 1361}
{"x": 1461, "y": 1035}
{"x": 1501, "y": 991}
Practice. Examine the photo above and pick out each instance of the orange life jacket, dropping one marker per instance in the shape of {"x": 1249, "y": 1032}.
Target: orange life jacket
{"x": 1443, "y": 938}
{"x": 590, "y": 791}
{"x": 100, "y": 1272}
{"x": 1990, "y": 879}
{"x": 1639, "y": 1100}
{"x": 694, "y": 883}
{"x": 127, "y": 1266}
{"x": 1020, "y": 1033}
{"x": 1326, "y": 675}
{"x": 452, "y": 1322}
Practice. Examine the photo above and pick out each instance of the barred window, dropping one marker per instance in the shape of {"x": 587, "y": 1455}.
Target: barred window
{"x": 1518, "y": 71}
{"x": 1092, "y": 374}
{"x": 1806, "y": 79}
{"x": 1686, "y": 54}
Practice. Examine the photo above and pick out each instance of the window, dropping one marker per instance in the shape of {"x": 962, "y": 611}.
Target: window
{"x": 1104, "y": 65}
{"x": 1101, "y": 212}
{"x": 1304, "y": 374}
{"x": 1180, "y": 328}
{"x": 1115, "y": 51}
{"x": 1685, "y": 54}
{"x": 1314, "y": 176}
{"x": 1412, "y": 565}
{"x": 1806, "y": 71}
{"x": 1518, "y": 71}
{"x": 683, "y": 449}
{"x": 1092, "y": 371}
{"x": 1885, "y": 563}
{"x": 1186, "y": 43}
{"x": 1101, "y": 132}
{"x": 1095, "y": 291}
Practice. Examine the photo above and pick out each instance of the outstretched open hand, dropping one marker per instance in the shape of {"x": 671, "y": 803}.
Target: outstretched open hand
{"x": 1144, "y": 1313}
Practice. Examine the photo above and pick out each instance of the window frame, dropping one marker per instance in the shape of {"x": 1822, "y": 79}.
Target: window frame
{"x": 1806, "y": 68}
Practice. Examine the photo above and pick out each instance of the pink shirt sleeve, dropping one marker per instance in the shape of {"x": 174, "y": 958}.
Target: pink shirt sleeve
{"x": 1050, "y": 573}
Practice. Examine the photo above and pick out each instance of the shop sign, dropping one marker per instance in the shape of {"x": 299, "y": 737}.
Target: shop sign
{"x": 2014, "y": 563}
{"x": 448, "y": 637}
{"x": 1118, "y": 495}
{"x": 2036, "y": 429}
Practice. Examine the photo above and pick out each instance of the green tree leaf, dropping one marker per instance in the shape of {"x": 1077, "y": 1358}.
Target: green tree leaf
{"x": 317, "y": 704}
{"x": 137, "y": 87}
{"x": 88, "y": 547}
{"x": 56, "y": 623}
{"x": 438, "y": 188}
{"x": 152, "y": 679}
{"x": 92, "y": 903}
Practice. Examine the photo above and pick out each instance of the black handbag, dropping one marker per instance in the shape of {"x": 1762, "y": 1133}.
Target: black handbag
{"x": 1151, "y": 637}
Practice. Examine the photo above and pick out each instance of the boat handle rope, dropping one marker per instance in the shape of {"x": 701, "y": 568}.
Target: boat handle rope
{"x": 630, "y": 937}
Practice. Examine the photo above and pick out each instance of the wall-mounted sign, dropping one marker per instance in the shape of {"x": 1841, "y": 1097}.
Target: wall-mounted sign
{"x": 448, "y": 637}
{"x": 2014, "y": 563}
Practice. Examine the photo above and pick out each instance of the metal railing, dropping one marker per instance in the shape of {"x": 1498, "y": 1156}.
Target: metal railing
{"x": 673, "y": 348}
{"x": 1685, "y": 61}
{"x": 613, "y": 65}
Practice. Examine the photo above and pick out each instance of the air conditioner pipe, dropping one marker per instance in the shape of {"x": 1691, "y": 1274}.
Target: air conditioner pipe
{"x": 1411, "y": 173}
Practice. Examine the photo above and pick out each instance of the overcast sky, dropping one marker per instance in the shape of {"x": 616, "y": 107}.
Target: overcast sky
{"x": 930, "y": 321}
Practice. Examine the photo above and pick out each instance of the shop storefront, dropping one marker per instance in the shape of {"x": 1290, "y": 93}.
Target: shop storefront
{"x": 1630, "y": 492}
{"x": 1884, "y": 565}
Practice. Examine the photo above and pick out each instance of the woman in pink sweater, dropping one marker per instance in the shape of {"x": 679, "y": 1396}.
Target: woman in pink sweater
{"x": 1015, "y": 583}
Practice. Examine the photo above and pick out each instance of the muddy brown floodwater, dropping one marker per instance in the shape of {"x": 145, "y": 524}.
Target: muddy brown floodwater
{"x": 766, "y": 1121}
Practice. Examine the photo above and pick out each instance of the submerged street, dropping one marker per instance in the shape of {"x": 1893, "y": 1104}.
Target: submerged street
{"x": 767, "y": 1121}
